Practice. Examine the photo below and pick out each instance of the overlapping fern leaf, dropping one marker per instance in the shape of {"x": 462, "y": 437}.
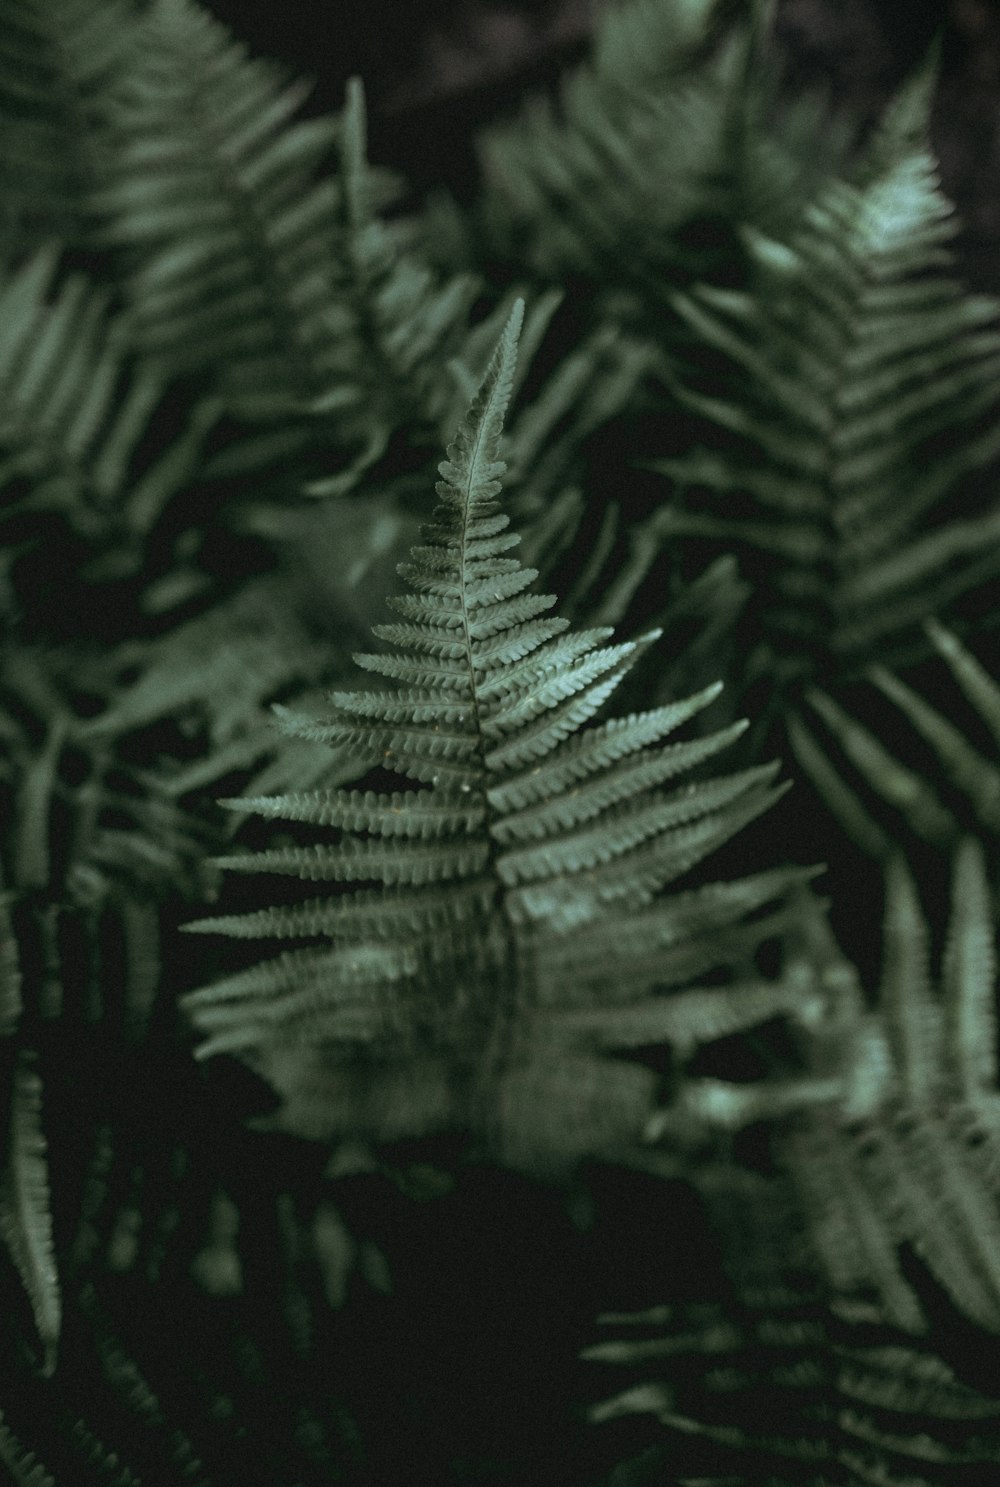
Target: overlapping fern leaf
{"x": 665, "y": 126}
{"x": 516, "y": 874}
{"x": 58, "y": 61}
{"x": 862, "y": 399}
{"x": 960, "y": 788}
{"x": 793, "y": 1391}
{"x": 25, "y": 1216}
{"x": 913, "y": 1146}
{"x": 390, "y": 302}
{"x": 78, "y": 406}
{"x": 213, "y": 202}
{"x": 857, "y": 1233}
{"x": 890, "y": 1137}
{"x": 249, "y": 256}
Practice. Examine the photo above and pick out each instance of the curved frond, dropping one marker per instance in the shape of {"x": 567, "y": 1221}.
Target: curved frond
{"x": 23, "y": 1464}
{"x": 253, "y": 250}
{"x": 783, "y": 1388}
{"x": 214, "y": 204}
{"x": 10, "y": 972}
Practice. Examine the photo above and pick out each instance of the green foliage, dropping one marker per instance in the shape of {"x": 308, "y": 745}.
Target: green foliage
{"x": 509, "y": 874}
{"x": 25, "y": 1219}
{"x": 58, "y": 61}
{"x": 912, "y": 1144}
{"x": 77, "y": 408}
{"x": 862, "y": 393}
{"x": 849, "y": 1400}
{"x": 212, "y": 200}
{"x": 562, "y": 1029}
{"x": 964, "y": 773}
{"x": 656, "y": 151}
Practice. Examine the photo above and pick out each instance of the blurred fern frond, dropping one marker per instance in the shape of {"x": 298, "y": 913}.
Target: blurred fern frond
{"x": 957, "y": 790}
{"x": 861, "y": 395}
{"x": 225, "y": 234}
{"x": 59, "y": 61}
{"x": 78, "y": 406}
{"x": 795, "y": 1391}
{"x": 667, "y": 138}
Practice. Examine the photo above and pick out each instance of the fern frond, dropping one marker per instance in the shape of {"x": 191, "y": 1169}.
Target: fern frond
{"x": 77, "y": 406}
{"x": 666, "y": 124}
{"x": 854, "y": 348}
{"x": 409, "y": 322}
{"x": 621, "y": 831}
{"x": 248, "y": 256}
{"x": 962, "y": 795}
{"x": 969, "y": 978}
{"x": 618, "y": 783}
{"x": 526, "y": 834}
{"x": 23, "y": 1464}
{"x": 214, "y": 200}
{"x": 10, "y": 972}
{"x": 689, "y": 1019}
{"x": 214, "y": 668}
{"x": 25, "y": 1216}
{"x": 58, "y": 63}
{"x": 921, "y": 1162}
{"x": 979, "y": 687}
{"x": 790, "y": 1390}
{"x": 396, "y": 814}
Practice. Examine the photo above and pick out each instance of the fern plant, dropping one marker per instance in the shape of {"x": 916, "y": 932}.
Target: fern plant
{"x": 855, "y": 351}
{"x": 790, "y": 1392}
{"x": 508, "y": 876}
{"x": 636, "y": 176}
{"x": 913, "y": 1142}
{"x": 81, "y": 467}
{"x": 517, "y": 952}
{"x": 58, "y": 63}
{"x": 888, "y": 1136}
{"x": 244, "y": 261}
{"x": 964, "y": 790}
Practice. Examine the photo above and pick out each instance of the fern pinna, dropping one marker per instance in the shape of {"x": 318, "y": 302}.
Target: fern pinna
{"x": 514, "y": 881}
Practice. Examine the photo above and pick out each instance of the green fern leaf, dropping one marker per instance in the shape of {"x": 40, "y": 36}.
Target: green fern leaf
{"x": 24, "y": 1466}
{"x": 248, "y": 257}
{"x": 10, "y": 973}
{"x": 854, "y": 348}
{"x": 25, "y": 1218}
{"x": 968, "y": 977}
{"x": 668, "y": 122}
{"x": 918, "y": 1156}
{"x": 229, "y": 238}
{"x": 826, "y": 1391}
{"x": 59, "y": 61}
{"x": 525, "y": 824}
{"x": 77, "y": 406}
{"x": 963, "y": 795}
